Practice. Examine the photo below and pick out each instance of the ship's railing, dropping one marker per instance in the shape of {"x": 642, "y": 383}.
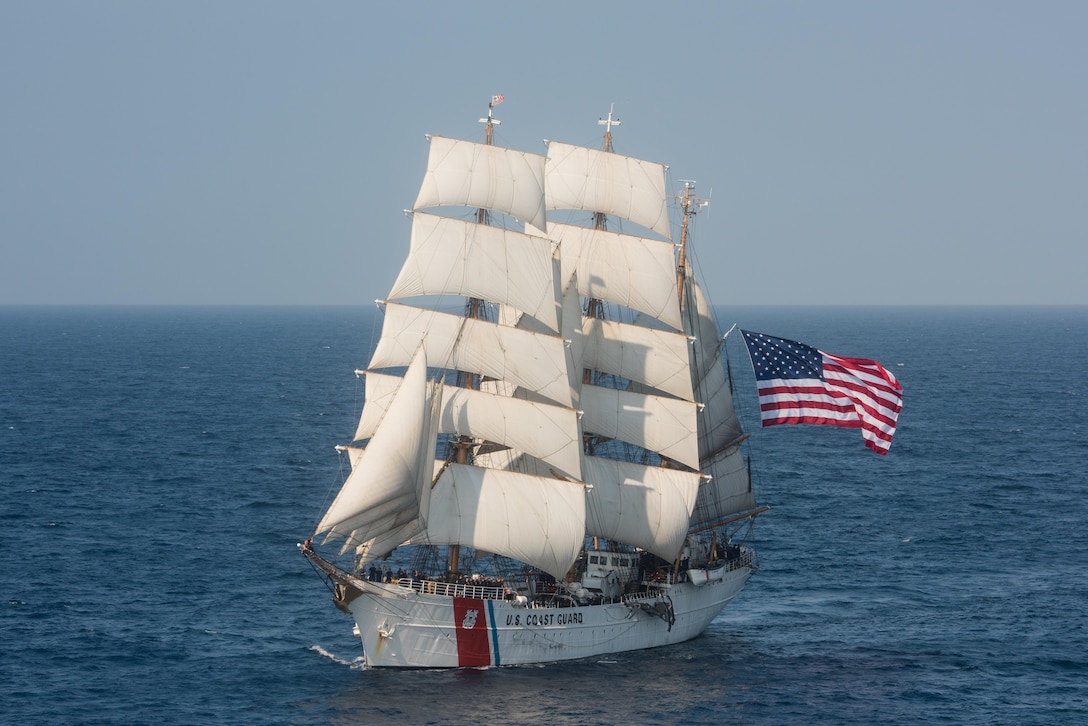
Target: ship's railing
{"x": 664, "y": 577}
{"x": 744, "y": 560}
{"x": 453, "y": 589}
{"x": 500, "y": 592}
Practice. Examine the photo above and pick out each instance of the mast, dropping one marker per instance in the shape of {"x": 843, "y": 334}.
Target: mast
{"x": 728, "y": 495}
{"x": 690, "y": 205}
{"x": 688, "y": 210}
{"x": 608, "y": 124}
{"x": 595, "y": 307}
{"x": 474, "y": 309}
{"x": 475, "y": 304}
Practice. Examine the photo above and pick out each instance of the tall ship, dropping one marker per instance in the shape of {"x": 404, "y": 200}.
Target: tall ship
{"x": 548, "y": 465}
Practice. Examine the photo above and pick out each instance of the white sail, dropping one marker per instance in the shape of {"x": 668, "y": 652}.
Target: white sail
{"x": 513, "y": 460}
{"x": 546, "y": 431}
{"x": 377, "y": 547}
{"x": 637, "y": 272}
{"x": 600, "y": 181}
{"x": 708, "y": 373}
{"x": 652, "y": 357}
{"x": 532, "y": 360}
{"x": 393, "y": 473}
{"x": 718, "y": 423}
{"x": 699, "y": 323}
{"x": 571, "y": 331}
{"x": 537, "y": 520}
{"x": 729, "y": 489}
{"x": 665, "y": 425}
{"x": 373, "y": 548}
{"x": 380, "y": 389}
{"x": 470, "y": 174}
{"x": 646, "y": 506}
{"x": 455, "y": 257}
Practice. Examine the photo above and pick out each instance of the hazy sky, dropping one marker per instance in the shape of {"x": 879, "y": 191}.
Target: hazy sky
{"x": 262, "y": 152}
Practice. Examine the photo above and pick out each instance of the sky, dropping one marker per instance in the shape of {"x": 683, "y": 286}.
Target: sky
{"x": 263, "y": 152}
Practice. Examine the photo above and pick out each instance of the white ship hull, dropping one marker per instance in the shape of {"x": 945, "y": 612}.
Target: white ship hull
{"x": 400, "y": 627}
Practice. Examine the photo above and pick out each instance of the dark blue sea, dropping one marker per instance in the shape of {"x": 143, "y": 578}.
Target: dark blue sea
{"x": 158, "y": 466}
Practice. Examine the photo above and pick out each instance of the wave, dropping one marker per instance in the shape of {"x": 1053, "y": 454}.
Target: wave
{"x": 357, "y": 663}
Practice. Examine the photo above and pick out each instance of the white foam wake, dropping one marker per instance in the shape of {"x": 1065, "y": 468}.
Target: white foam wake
{"x": 354, "y": 663}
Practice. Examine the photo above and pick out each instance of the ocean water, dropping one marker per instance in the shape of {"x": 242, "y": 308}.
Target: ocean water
{"x": 158, "y": 466}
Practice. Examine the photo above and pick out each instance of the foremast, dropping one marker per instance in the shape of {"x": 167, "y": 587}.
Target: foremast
{"x": 451, "y": 256}
{"x": 476, "y": 309}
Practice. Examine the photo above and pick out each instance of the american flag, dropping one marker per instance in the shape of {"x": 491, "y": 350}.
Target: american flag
{"x": 798, "y": 384}
{"x": 496, "y": 100}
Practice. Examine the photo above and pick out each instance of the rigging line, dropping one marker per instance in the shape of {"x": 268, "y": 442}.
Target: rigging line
{"x": 750, "y": 514}
{"x": 336, "y": 484}
{"x": 327, "y": 577}
{"x": 742, "y": 405}
{"x": 375, "y": 327}
{"x": 750, "y": 525}
{"x": 697, "y": 272}
{"x": 727, "y": 334}
{"x": 728, "y": 445}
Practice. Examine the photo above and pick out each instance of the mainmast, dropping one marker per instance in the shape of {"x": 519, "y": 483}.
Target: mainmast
{"x": 482, "y": 215}
{"x": 594, "y": 307}
{"x": 608, "y": 124}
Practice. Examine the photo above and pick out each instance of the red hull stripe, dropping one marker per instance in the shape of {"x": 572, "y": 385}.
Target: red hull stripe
{"x": 470, "y": 621}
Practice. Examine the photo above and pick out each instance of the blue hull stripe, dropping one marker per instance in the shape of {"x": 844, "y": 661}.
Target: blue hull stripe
{"x": 494, "y": 631}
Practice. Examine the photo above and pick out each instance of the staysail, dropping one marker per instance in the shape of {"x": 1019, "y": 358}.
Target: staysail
{"x": 389, "y": 484}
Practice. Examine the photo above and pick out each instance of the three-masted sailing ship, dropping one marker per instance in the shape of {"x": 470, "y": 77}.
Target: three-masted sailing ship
{"x": 550, "y": 468}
